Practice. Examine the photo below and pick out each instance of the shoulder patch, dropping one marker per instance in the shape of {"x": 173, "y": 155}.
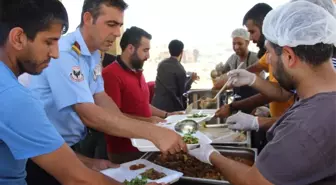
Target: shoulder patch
{"x": 76, "y": 75}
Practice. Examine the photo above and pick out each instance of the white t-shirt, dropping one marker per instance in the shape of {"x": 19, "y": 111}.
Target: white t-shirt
{"x": 24, "y": 79}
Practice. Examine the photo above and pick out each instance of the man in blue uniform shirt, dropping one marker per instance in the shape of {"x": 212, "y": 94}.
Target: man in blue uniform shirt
{"x": 72, "y": 88}
{"x": 27, "y": 42}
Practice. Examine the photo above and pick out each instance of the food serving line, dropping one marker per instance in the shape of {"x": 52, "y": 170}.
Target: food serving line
{"x": 182, "y": 168}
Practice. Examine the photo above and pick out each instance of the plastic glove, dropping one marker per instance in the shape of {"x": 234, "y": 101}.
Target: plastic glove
{"x": 242, "y": 121}
{"x": 241, "y": 77}
{"x": 203, "y": 153}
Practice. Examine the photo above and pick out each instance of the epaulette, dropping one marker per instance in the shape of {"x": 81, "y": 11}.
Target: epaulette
{"x": 76, "y": 48}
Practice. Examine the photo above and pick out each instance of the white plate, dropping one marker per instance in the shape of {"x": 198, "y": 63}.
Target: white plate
{"x": 221, "y": 135}
{"x": 124, "y": 173}
{"x": 172, "y": 120}
{"x": 204, "y": 111}
{"x": 209, "y": 112}
{"x": 144, "y": 145}
{"x": 175, "y": 118}
{"x": 208, "y": 117}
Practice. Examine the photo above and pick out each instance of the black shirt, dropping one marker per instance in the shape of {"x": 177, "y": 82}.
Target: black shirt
{"x": 170, "y": 85}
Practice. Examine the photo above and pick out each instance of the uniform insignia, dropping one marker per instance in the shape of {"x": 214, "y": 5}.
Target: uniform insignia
{"x": 97, "y": 71}
{"x": 76, "y": 75}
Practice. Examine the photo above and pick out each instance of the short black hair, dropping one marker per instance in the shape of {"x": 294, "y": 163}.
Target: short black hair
{"x": 93, "y": 6}
{"x": 133, "y": 36}
{"x": 175, "y": 48}
{"x": 312, "y": 54}
{"x": 32, "y": 16}
{"x": 257, "y": 13}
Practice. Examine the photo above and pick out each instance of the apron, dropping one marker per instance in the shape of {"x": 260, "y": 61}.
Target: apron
{"x": 244, "y": 91}
{"x": 258, "y": 139}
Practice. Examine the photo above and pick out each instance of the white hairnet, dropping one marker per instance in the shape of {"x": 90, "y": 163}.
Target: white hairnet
{"x": 326, "y": 4}
{"x": 300, "y": 23}
{"x": 241, "y": 33}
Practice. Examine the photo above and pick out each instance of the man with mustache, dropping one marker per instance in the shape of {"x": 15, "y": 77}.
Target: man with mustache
{"x": 301, "y": 144}
{"x": 240, "y": 42}
{"x": 125, "y": 84}
{"x": 72, "y": 88}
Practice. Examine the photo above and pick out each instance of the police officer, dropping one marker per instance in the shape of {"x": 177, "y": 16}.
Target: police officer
{"x": 27, "y": 42}
{"x": 72, "y": 88}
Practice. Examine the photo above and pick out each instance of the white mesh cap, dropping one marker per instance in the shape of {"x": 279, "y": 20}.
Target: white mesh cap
{"x": 326, "y": 4}
{"x": 241, "y": 33}
{"x": 300, "y": 23}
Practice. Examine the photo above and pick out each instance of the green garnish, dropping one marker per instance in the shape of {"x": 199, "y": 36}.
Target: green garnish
{"x": 136, "y": 181}
{"x": 197, "y": 116}
{"x": 190, "y": 139}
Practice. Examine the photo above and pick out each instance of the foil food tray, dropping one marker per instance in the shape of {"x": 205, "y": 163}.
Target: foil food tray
{"x": 245, "y": 153}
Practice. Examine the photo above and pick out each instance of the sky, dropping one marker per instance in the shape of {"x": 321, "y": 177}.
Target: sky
{"x": 202, "y": 24}
{"x": 195, "y": 21}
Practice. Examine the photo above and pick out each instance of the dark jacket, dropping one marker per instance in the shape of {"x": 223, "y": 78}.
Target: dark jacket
{"x": 170, "y": 85}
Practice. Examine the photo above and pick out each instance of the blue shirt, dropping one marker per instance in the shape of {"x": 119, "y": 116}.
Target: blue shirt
{"x": 25, "y": 130}
{"x": 71, "y": 79}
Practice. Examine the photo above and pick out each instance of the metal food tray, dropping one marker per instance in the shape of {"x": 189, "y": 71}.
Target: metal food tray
{"x": 246, "y": 153}
{"x": 246, "y": 143}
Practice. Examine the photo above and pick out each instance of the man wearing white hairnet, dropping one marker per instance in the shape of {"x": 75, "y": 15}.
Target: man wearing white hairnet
{"x": 301, "y": 145}
{"x": 272, "y": 90}
{"x": 240, "y": 42}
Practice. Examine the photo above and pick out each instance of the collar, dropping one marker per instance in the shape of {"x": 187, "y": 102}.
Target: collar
{"x": 174, "y": 59}
{"x": 124, "y": 66}
{"x": 9, "y": 70}
{"x": 80, "y": 47}
{"x": 80, "y": 43}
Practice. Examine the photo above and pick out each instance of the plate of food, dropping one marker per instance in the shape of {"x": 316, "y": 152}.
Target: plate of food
{"x": 141, "y": 172}
{"x": 201, "y": 115}
{"x": 198, "y": 115}
{"x": 192, "y": 140}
